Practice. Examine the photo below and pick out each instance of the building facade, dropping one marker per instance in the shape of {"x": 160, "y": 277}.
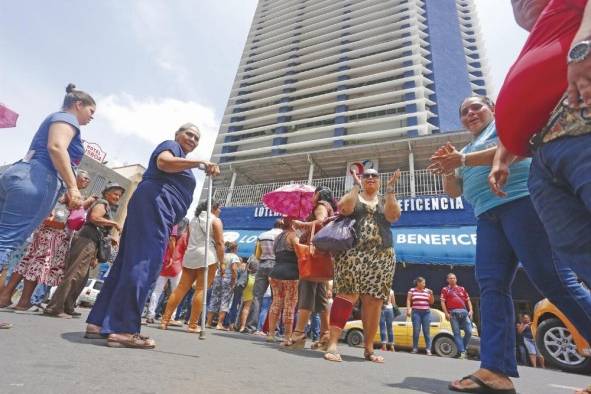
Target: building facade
{"x": 334, "y": 81}
{"x": 327, "y": 85}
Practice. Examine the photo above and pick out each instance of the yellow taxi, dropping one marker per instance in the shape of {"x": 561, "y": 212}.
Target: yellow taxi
{"x": 558, "y": 340}
{"x": 443, "y": 343}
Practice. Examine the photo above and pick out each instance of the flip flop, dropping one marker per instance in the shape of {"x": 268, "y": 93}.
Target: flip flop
{"x": 480, "y": 388}
{"x": 373, "y": 358}
{"x": 333, "y": 356}
{"x": 5, "y": 326}
{"x": 584, "y": 391}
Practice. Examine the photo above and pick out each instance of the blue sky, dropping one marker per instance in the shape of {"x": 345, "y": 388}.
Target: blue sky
{"x": 152, "y": 65}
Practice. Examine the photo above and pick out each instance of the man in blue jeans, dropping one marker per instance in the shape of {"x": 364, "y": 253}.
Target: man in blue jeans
{"x": 457, "y": 307}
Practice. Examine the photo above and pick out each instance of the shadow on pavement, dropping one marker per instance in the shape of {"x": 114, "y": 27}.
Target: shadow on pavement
{"x": 422, "y": 385}
{"x": 78, "y": 337}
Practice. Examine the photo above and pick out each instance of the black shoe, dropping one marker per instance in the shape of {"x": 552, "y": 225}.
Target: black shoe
{"x": 74, "y": 314}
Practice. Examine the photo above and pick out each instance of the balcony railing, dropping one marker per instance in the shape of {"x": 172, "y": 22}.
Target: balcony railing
{"x": 424, "y": 183}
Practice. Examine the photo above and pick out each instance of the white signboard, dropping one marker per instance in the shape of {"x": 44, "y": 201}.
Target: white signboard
{"x": 94, "y": 151}
{"x": 359, "y": 167}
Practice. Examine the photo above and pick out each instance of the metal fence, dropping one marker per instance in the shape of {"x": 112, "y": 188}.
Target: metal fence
{"x": 425, "y": 183}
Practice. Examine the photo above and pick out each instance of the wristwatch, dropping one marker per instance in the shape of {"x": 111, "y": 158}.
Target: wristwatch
{"x": 579, "y": 52}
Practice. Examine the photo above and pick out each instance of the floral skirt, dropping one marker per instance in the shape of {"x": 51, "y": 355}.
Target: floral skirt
{"x": 45, "y": 258}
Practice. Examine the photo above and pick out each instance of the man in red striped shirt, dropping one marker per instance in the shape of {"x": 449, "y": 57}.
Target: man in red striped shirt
{"x": 457, "y": 307}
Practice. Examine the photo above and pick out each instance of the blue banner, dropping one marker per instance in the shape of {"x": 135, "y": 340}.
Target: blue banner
{"x": 431, "y": 211}
{"x": 420, "y": 245}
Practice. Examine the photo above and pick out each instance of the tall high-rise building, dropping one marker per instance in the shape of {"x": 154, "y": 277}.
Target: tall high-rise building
{"x": 327, "y": 82}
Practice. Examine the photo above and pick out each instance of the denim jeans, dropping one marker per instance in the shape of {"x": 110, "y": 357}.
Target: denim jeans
{"x": 386, "y": 331}
{"x": 28, "y": 192}
{"x": 507, "y": 234}
{"x": 421, "y": 319}
{"x": 40, "y": 294}
{"x": 461, "y": 322}
{"x": 261, "y": 282}
{"x": 313, "y": 329}
{"x": 232, "y": 316}
{"x": 265, "y": 305}
{"x": 560, "y": 187}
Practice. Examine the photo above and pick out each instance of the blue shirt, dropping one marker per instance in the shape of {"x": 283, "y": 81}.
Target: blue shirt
{"x": 180, "y": 184}
{"x": 475, "y": 179}
{"x": 38, "y": 148}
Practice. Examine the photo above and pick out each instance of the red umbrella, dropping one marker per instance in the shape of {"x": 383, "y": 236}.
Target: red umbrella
{"x": 291, "y": 200}
{"x": 7, "y": 117}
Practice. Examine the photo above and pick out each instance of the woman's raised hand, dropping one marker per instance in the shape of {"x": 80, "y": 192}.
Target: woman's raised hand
{"x": 356, "y": 179}
{"x": 394, "y": 179}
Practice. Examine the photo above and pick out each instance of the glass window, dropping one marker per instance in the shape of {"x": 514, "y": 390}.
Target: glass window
{"x": 402, "y": 316}
{"x": 98, "y": 285}
{"x": 435, "y": 317}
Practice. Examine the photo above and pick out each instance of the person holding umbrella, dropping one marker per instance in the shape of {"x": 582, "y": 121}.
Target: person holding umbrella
{"x": 160, "y": 201}
{"x": 365, "y": 271}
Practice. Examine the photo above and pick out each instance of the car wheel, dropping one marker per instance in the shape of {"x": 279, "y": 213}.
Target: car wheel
{"x": 445, "y": 346}
{"x": 555, "y": 343}
{"x": 355, "y": 338}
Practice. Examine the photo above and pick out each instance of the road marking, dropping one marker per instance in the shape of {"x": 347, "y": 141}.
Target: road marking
{"x": 560, "y": 386}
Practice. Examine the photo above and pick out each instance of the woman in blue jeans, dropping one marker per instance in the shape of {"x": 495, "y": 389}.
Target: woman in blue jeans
{"x": 418, "y": 306}
{"x": 386, "y": 320}
{"x": 30, "y": 187}
{"x": 509, "y": 231}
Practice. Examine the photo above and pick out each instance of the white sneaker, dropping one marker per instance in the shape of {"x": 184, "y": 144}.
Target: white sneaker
{"x": 429, "y": 352}
{"x": 414, "y": 351}
{"x": 463, "y": 356}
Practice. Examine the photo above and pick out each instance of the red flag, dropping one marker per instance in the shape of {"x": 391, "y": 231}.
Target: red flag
{"x": 7, "y": 117}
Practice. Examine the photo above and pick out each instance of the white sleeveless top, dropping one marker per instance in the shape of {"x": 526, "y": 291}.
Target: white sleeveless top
{"x": 195, "y": 254}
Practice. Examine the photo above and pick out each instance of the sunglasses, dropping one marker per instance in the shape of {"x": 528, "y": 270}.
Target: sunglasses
{"x": 367, "y": 176}
{"x": 475, "y": 107}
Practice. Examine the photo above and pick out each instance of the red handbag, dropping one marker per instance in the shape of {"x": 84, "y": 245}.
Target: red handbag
{"x": 314, "y": 265}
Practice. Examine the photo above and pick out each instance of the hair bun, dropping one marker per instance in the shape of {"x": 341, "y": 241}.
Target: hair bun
{"x": 70, "y": 88}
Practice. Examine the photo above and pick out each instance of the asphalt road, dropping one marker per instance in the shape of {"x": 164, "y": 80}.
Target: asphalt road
{"x": 48, "y": 355}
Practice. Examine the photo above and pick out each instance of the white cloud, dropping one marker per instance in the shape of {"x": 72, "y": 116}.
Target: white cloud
{"x": 503, "y": 38}
{"x": 156, "y": 120}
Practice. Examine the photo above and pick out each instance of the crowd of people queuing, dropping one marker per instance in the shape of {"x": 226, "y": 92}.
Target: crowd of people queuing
{"x": 532, "y": 210}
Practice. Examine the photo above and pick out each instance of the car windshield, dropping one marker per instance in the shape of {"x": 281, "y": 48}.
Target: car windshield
{"x": 435, "y": 317}
{"x": 402, "y": 316}
{"x": 98, "y": 285}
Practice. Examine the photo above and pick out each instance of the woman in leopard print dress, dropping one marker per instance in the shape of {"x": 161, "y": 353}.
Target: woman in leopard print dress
{"x": 365, "y": 271}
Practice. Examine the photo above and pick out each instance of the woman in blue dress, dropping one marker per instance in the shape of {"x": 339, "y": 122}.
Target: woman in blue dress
{"x": 29, "y": 188}
{"x": 160, "y": 201}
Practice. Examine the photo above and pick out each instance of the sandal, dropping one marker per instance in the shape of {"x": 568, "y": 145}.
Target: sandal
{"x": 333, "y": 356}
{"x": 373, "y": 358}
{"x": 136, "y": 341}
{"x": 296, "y": 342}
{"x": 5, "y": 326}
{"x": 480, "y": 388}
{"x": 194, "y": 329}
{"x": 322, "y": 344}
{"x": 584, "y": 391}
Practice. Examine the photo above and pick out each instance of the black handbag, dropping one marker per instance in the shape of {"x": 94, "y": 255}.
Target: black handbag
{"x": 104, "y": 250}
